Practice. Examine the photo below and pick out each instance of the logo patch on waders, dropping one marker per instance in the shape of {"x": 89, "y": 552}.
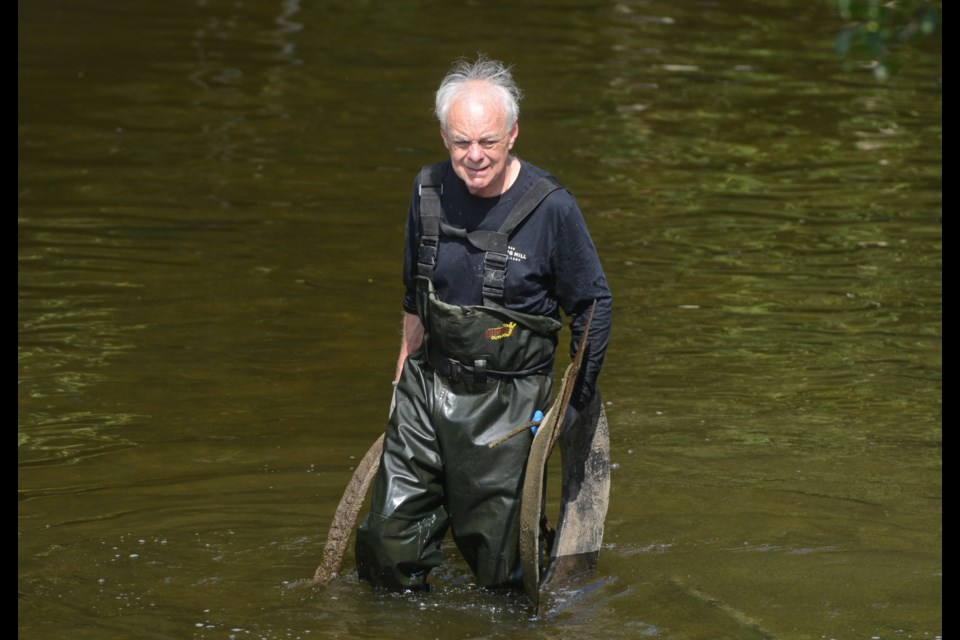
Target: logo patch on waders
{"x": 499, "y": 333}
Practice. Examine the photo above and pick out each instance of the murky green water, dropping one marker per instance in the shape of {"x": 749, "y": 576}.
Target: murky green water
{"x": 211, "y": 198}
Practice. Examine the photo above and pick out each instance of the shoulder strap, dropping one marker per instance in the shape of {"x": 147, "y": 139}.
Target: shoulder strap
{"x": 495, "y": 259}
{"x": 493, "y": 243}
{"x": 431, "y": 188}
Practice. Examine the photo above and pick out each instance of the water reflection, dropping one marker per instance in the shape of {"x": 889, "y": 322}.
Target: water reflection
{"x": 211, "y": 203}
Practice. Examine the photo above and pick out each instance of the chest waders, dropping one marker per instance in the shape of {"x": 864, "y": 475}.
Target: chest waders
{"x": 479, "y": 373}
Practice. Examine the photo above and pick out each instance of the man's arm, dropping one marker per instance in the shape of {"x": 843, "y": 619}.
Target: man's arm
{"x": 412, "y": 338}
{"x": 595, "y": 350}
{"x": 580, "y": 281}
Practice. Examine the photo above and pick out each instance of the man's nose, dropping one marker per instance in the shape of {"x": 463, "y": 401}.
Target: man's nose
{"x": 475, "y": 152}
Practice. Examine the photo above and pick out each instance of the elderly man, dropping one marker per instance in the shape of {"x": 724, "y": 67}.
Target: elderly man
{"x": 495, "y": 247}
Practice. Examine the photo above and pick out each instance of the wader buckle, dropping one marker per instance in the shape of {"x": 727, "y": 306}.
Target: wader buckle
{"x": 479, "y": 373}
{"x": 454, "y": 370}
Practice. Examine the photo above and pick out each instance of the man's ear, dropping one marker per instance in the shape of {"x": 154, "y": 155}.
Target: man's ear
{"x": 512, "y": 136}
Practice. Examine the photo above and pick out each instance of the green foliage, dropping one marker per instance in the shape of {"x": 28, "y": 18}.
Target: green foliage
{"x": 880, "y": 28}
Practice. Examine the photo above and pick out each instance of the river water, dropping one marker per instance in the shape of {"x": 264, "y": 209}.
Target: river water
{"x": 211, "y": 200}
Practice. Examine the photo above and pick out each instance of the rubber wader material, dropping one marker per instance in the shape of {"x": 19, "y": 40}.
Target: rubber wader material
{"x": 585, "y": 452}
{"x": 437, "y": 470}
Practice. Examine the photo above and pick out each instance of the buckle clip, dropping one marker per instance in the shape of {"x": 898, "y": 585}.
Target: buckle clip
{"x": 479, "y": 372}
{"x": 455, "y": 373}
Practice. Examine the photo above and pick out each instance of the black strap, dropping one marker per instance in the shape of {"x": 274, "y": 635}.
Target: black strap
{"x": 431, "y": 189}
{"x": 495, "y": 260}
{"x": 493, "y": 243}
{"x": 478, "y": 373}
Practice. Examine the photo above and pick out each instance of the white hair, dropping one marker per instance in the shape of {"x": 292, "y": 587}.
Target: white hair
{"x": 492, "y": 72}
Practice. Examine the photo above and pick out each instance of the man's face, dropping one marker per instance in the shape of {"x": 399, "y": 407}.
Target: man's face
{"x": 479, "y": 142}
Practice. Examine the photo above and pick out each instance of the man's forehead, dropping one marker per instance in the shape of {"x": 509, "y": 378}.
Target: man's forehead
{"x": 485, "y": 133}
{"x": 476, "y": 117}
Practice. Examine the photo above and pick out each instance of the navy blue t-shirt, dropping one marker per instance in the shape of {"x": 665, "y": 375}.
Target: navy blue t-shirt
{"x": 552, "y": 263}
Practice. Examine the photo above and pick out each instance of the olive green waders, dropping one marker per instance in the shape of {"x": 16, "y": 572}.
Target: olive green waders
{"x": 480, "y": 372}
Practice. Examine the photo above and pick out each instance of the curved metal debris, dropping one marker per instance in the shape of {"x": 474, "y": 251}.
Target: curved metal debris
{"x": 585, "y": 494}
{"x": 345, "y": 519}
{"x": 585, "y": 450}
